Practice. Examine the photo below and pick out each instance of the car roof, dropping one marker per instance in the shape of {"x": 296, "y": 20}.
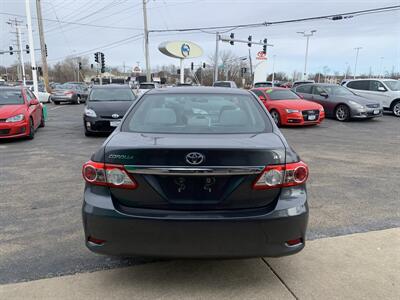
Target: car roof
{"x": 198, "y": 90}
{"x": 11, "y": 87}
{"x": 111, "y": 86}
{"x": 270, "y": 88}
{"x": 383, "y": 79}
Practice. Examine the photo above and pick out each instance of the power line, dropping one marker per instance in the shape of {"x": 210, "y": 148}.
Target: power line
{"x": 264, "y": 24}
{"x": 76, "y": 23}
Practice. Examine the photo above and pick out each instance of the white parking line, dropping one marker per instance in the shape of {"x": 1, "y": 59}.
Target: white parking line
{"x": 54, "y": 108}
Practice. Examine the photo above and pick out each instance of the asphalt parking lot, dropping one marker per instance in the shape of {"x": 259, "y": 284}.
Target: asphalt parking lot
{"x": 353, "y": 187}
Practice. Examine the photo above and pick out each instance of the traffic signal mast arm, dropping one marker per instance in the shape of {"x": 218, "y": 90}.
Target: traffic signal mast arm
{"x": 228, "y": 39}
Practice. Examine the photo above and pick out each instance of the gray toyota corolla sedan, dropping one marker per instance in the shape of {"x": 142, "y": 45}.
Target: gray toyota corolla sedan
{"x": 196, "y": 172}
{"x": 339, "y": 102}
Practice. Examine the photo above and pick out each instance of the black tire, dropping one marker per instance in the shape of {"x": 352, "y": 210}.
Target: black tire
{"x": 56, "y": 102}
{"x": 277, "y": 118}
{"x": 42, "y": 121}
{"x": 396, "y": 108}
{"x": 31, "y": 135}
{"x": 342, "y": 113}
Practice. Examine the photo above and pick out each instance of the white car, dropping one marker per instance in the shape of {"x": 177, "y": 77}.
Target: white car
{"x": 44, "y": 97}
{"x": 386, "y": 91}
{"x": 146, "y": 86}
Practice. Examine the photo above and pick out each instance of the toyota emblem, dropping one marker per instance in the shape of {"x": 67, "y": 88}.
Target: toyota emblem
{"x": 115, "y": 116}
{"x": 194, "y": 158}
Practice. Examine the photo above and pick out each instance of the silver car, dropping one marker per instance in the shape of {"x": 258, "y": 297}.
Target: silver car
{"x": 385, "y": 91}
{"x": 339, "y": 102}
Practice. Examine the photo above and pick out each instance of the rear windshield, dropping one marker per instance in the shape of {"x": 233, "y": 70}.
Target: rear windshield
{"x": 222, "y": 84}
{"x": 146, "y": 86}
{"x": 282, "y": 95}
{"x": 109, "y": 94}
{"x": 262, "y": 84}
{"x": 197, "y": 113}
{"x": 11, "y": 96}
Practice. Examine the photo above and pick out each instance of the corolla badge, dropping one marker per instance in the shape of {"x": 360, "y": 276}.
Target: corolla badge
{"x": 185, "y": 50}
{"x": 120, "y": 156}
{"x": 115, "y": 116}
{"x": 194, "y": 158}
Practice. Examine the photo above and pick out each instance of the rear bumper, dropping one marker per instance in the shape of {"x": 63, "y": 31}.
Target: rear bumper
{"x": 204, "y": 235}
{"x": 63, "y": 99}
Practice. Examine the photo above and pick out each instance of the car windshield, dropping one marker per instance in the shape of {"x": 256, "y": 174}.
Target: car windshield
{"x": 66, "y": 86}
{"x": 146, "y": 86}
{"x": 337, "y": 90}
{"x": 197, "y": 113}
{"x": 263, "y": 84}
{"x": 393, "y": 85}
{"x": 110, "y": 94}
{"x": 282, "y": 95}
{"x": 11, "y": 96}
{"x": 222, "y": 84}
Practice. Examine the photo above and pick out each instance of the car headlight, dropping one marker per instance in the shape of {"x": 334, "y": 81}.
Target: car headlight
{"x": 16, "y": 118}
{"x": 289, "y": 111}
{"x": 358, "y": 105}
{"x": 90, "y": 112}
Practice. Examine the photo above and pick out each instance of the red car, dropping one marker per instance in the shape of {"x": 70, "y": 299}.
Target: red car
{"x": 288, "y": 108}
{"x": 20, "y": 113}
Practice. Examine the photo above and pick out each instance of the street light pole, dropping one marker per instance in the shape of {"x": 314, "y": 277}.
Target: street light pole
{"x": 146, "y": 42}
{"x": 32, "y": 47}
{"x": 355, "y": 65}
{"x": 217, "y": 38}
{"x": 273, "y": 69}
{"x": 307, "y": 35}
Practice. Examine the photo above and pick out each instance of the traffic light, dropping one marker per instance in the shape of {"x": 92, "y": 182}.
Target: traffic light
{"x": 265, "y": 46}
{"x": 232, "y": 36}
{"x": 204, "y": 65}
{"x": 11, "y": 50}
{"x": 91, "y": 66}
{"x": 335, "y": 18}
{"x": 178, "y": 71}
{"x": 27, "y": 49}
{"x": 45, "y": 48}
{"x": 249, "y": 39}
{"x": 80, "y": 65}
{"x": 192, "y": 66}
{"x": 103, "y": 62}
{"x": 39, "y": 69}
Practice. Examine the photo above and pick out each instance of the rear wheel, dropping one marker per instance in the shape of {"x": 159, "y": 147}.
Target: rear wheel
{"x": 396, "y": 109}
{"x": 277, "y": 119}
{"x": 342, "y": 113}
{"x": 31, "y": 130}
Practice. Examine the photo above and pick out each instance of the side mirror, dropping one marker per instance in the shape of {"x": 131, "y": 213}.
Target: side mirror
{"x": 324, "y": 94}
{"x": 33, "y": 102}
{"x": 262, "y": 98}
{"x": 381, "y": 89}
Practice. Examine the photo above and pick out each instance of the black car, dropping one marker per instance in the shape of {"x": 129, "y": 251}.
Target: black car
{"x": 196, "y": 172}
{"x": 106, "y": 106}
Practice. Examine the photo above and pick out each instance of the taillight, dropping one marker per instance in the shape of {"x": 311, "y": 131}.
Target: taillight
{"x": 278, "y": 176}
{"x": 68, "y": 92}
{"x": 107, "y": 175}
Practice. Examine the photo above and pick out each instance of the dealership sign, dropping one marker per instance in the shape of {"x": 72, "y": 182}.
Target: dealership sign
{"x": 180, "y": 49}
{"x": 261, "y": 55}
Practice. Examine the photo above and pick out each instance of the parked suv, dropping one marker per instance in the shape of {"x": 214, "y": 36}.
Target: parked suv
{"x": 386, "y": 91}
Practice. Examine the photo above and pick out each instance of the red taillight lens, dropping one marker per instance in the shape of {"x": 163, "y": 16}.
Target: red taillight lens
{"x": 107, "y": 175}
{"x": 278, "y": 176}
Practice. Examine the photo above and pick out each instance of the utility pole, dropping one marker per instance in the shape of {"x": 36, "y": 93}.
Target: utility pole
{"x": 217, "y": 38}
{"x": 146, "y": 42}
{"x": 42, "y": 46}
{"x": 355, "y": 65}
{"x": 21, "y": 54}
{"x": 32, "y": 47}
{"x": 15, "y": 23}
{"x": 307, "y": 35}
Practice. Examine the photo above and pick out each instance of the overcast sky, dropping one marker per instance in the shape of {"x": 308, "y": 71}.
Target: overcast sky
{"x": 332, "y": 46}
